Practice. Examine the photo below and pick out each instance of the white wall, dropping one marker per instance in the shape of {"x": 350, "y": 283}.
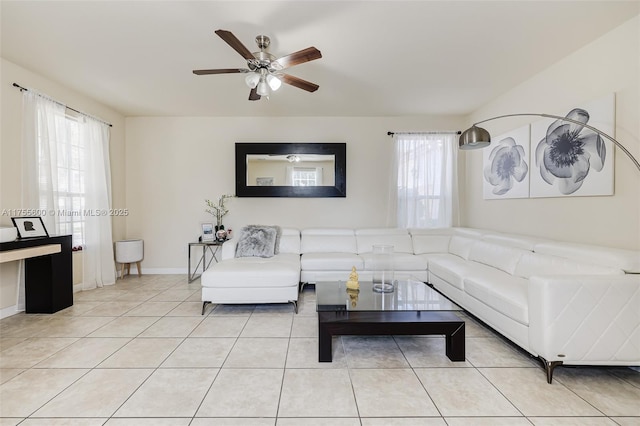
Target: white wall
{"x": 11, "y": 155}
{"x": 175, "y": 163}
{"x": 609, "y": 64}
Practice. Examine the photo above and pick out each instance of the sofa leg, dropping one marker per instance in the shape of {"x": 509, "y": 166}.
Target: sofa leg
{"x": 295, "y": 305}
{"x": 549, "y": 366}
{"x": 204, "y": 305}
{"x": 301, "y": 287}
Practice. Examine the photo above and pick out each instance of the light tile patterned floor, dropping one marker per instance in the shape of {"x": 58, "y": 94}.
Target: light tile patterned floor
{"x": 139, "y": 353}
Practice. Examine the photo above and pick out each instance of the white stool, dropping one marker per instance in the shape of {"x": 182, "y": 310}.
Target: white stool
{"x": 128, "y": 252}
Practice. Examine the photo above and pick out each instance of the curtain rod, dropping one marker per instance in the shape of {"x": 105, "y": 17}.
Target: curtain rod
{"x": 448, "y": 132}
{"x": 24, "y": 89}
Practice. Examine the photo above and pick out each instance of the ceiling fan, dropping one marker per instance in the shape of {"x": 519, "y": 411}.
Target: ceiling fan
{"x": 264, "y": 72}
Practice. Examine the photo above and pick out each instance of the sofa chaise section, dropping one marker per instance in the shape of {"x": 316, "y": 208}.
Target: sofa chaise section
{"x": 238, "y": 280}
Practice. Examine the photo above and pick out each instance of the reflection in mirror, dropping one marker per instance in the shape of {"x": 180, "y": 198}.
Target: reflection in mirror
{"x": 290, "y": 170}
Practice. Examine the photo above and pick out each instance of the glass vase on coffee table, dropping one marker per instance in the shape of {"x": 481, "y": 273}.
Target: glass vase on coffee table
{"x": 383, "y": 268}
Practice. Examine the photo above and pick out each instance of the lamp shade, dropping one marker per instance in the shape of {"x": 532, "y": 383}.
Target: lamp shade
{"x": 263, "y": 88}
{"x": 252, "y": 80}
{"x": 474, "y": 138}
{"x": 274, "y": 82}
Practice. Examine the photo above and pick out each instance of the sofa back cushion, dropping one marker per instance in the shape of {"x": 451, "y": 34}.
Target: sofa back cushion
{"x": 518, "y": 241}
{"x": 398, "y": 238}
{"x": 290, "y": 241}
{"x": 428, "y": 241}
{"x": 627, "y": 260}
{"x": 498, "y": 256}
{"x": 473, "y": 233}
{"x": 535, "y": 264}
{"x": 328, "y": 240}
{"x": 427, "y": 244}
{"x": 461, "y": 246}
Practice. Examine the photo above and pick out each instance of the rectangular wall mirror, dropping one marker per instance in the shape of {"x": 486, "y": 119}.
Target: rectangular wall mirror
{"x": 291, "y": 169}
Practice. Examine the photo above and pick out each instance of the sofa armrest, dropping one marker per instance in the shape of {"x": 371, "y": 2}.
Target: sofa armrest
{"x": 585, "y": 319}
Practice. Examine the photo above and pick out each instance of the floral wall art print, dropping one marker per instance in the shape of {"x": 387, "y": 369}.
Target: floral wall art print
{"x": 571, "y": 160}
{"x": 506, "y": 166}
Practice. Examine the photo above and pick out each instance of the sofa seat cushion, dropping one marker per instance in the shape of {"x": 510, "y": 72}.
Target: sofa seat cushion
{"x": 503, "y": 292}
{"x": 331, "y": 261}
{"x": 282, "y": 270}
{"x": 401, "y": 262}
{"x": 454, "y": 269}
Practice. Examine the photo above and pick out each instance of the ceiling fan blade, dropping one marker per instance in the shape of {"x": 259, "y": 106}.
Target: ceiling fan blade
{"x": 253, "y": 95}
{"x": 299, "y": 83}
{"x": 220, "y": 71}
{"x": 236, "y": 44}
{"x": 299, "y": 57}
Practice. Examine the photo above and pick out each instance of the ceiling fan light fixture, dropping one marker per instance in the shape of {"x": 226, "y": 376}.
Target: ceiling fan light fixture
{"x": 263, "y": 88}
{"x": 252, "y": 80}
{"x": 274, "y": 82}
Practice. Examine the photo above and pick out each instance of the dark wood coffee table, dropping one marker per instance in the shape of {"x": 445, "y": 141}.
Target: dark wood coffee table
{"x": 413, "y": 308}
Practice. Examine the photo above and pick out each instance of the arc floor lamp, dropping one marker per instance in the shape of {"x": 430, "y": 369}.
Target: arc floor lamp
{"x": 476, "y": 137}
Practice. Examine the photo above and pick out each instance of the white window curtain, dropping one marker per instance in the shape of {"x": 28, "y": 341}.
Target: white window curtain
{"x": 424, "y": 191}
{"x": 99, "y": 266}
{"x": 43, "y": 125}
{"x": 44, "y": 129}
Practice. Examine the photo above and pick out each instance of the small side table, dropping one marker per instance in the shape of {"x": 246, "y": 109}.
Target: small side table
{"x": 212, "y": 247}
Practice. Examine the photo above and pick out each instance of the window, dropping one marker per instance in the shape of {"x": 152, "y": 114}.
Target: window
{"x": 69, "y": 195}
{"x": 425, "y": 165}
{"x": 304, "y": 176}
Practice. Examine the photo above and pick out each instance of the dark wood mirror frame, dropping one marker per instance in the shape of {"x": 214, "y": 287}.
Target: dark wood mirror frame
{"x": 339, "y": 150}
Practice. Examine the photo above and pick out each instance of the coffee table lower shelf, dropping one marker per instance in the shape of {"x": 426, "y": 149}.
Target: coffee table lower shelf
{"x": 391, "y": 322}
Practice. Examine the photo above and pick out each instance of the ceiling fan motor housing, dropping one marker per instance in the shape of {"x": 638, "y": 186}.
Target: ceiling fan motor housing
{"x": 263, "y": 59}
{"x": 263, "y": 42}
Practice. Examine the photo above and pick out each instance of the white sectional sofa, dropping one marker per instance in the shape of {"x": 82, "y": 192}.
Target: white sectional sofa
{"x": 561, "y": 302}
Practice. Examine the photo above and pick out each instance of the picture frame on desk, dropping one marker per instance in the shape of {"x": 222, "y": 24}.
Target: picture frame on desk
{"x": 208, "y": 234}
{"x": 30, "y": 227}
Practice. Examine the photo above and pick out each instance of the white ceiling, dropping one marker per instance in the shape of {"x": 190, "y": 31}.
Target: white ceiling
{"x": 380, "y": 58}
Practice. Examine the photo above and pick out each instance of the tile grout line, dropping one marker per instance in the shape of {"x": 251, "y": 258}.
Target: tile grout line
{"x": 210, "y": 314}
{"x": 418, "y": 377}
{"x": 153, "y": 369}
{"x": 150, "y": 374}
{"x": 284, "y": 367}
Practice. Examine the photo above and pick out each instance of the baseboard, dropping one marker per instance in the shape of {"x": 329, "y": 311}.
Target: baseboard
{"x": 8, "y": 311}
{"x": 151, "y": 271}
{"x": 161, "y": 271}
